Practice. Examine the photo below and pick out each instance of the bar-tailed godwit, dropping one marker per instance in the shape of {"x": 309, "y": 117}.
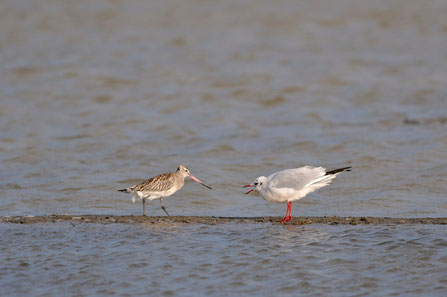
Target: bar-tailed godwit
{"x": 293, "y": 184}
{"x": 160, "y": 186}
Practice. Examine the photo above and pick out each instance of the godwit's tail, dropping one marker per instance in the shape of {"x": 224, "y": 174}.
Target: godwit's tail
{"x": 126, "y": 190}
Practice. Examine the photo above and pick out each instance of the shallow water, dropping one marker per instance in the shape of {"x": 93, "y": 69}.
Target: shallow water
{"x": 222, "y": 260}
{"x": 101, "y": 94}
{"x": 98, "y": 95}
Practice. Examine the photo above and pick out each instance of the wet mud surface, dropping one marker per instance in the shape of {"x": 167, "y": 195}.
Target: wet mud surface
{"x": 211, "y": 220}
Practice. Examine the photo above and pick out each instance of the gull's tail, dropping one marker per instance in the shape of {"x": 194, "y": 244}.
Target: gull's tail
{"x": 339, "y": 170}
{"x": 328, "y": 177}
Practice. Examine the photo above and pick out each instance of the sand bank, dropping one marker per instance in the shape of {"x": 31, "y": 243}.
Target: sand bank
{"x": 210, "y": 220}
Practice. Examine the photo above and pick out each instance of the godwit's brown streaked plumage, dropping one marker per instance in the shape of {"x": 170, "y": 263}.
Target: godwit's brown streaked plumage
{"x": 161, "y": 186}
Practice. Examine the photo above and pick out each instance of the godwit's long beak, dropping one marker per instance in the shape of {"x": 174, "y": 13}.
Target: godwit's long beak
{"x": 197, "y": 180}
{"x": 249, "y": 186}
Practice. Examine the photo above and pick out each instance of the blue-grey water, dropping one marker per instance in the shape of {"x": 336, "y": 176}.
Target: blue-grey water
{"x": 98, "y": 95}
{"x": 225, "y": 260}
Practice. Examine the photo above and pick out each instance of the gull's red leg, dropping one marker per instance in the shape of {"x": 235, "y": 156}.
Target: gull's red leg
{"x": 290, "y": 211}
{"x": 286, "y": 218}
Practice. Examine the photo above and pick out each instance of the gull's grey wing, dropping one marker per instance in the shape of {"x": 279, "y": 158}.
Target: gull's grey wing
{"x": 296, "y": 178}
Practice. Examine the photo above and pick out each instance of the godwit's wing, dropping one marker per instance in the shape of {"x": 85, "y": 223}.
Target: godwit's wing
{"x": 296, "y": 178}
{"x": 159, "y": 183}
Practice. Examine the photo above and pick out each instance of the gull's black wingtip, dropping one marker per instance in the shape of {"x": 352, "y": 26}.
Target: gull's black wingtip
{"x": 339, "y": 170}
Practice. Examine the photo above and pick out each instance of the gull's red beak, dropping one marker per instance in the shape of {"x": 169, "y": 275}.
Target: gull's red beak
{"x": 246, "y": 186}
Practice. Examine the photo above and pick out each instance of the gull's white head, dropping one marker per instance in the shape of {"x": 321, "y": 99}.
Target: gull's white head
{"x": 257, "y": 184}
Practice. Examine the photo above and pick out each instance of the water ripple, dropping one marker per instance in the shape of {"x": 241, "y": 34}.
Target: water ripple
{"x": 222, "y": 260}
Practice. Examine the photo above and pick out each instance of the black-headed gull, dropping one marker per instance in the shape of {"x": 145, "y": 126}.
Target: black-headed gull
{"x": 161, "y": 186}
{"x": 292, "y": 184}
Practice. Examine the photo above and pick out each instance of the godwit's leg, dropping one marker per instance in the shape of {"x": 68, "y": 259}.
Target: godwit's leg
{"x": 286, "y": 218}
{"x": 163, "y": 207}
{"x": 144, "y": 207}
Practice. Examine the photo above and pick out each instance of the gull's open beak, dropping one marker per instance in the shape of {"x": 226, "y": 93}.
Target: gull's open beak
{"x": 197, "y": 180}
{"x": 246, "y": 186}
